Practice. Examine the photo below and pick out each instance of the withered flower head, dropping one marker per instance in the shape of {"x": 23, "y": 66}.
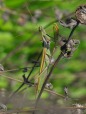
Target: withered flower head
{"x": 1, "y": 67}
{"x": 81, "y": 14}
{"x": 69, "y": 48}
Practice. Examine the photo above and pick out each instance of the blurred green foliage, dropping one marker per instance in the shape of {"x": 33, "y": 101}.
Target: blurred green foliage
{"x": 20, "y": 42}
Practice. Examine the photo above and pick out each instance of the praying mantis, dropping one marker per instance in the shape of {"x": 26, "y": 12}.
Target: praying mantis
{"x": 45, "y": 60}
{"x": 45, "y": 56}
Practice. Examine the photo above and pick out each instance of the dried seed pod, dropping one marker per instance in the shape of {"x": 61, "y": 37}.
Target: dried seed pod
{"x": 66, "y": 91}
{"x": 79, "y": 108}
{"x": 49, "y": 86}
{"x": 1, "y": 68}
{"x": 37, "y": 13}
{"x": 3, "y": 107}
{"x": 70, "y": 47}
{"x": 2, "y": 4}
{"x": 5, "y": 16}
{"x": 68, "y": 23}
{"x": 22, "y": 20}
{"x": 81, "y": 14}
{"x": 58, "y": 13}
{"x": 52, "y": 60}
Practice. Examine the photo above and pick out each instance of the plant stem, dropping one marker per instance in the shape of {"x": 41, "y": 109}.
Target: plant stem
{"x": 72, "y": 31}
{"x": 48, "y": 76}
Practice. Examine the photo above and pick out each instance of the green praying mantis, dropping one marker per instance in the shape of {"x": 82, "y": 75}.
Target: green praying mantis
{"x": 45, "y": 60}
{"x": 45, "y": 56}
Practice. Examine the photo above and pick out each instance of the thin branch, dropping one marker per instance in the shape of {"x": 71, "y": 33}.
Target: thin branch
{"x": 72, "y": 31}
{"x": 54, "y": 93}
{"x": 31, "y": 109}
{"x": 57, "y": 20}
{"x": 48, "y": 76}
{"x": 16, "y": 69}
{"x": 47, "y": 90}
{"x": 17, "y": 90}
{"x": 11, "y": 78}
{"x": 26, "y": 77}
{"x": 34, "y": 65}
